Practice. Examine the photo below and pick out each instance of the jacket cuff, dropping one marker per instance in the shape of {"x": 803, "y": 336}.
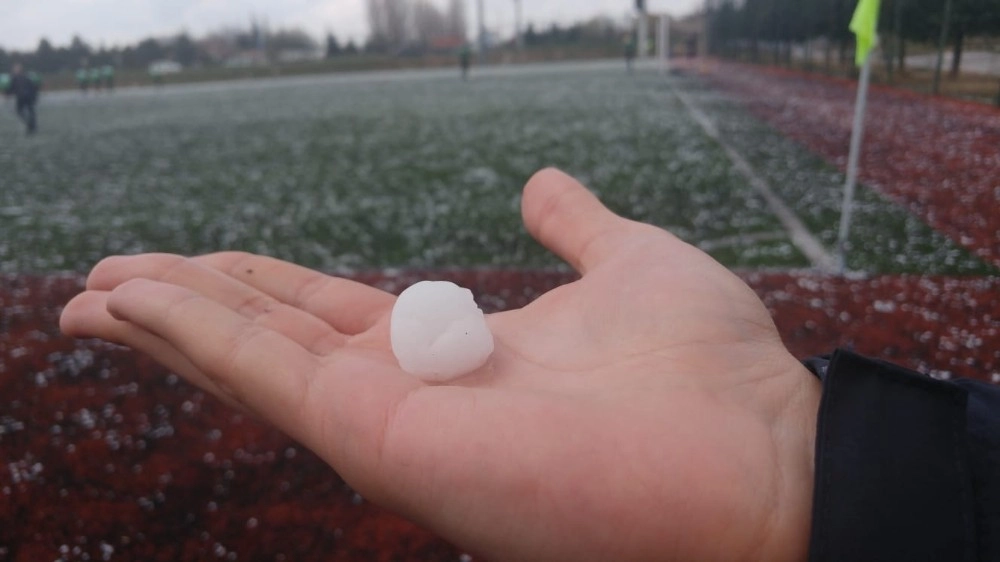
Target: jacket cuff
{"x": 892, "y": 476}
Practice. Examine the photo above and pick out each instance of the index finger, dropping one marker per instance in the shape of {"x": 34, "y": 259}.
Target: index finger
{"x": 350, "y": 307}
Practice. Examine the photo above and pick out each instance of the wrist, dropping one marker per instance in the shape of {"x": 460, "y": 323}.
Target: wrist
{"x": 795, "y": 437}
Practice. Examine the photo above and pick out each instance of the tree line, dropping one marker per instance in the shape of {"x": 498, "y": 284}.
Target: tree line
{"x": 400, "y": 25}
{"x": 411, "y": 26}
{"x": 212, "y": 49}
{"x": 774, "y": 26}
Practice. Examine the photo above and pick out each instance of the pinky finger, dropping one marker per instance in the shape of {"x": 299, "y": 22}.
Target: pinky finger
{"x": 86, "y": 316}
{"x": 261, "y": 368}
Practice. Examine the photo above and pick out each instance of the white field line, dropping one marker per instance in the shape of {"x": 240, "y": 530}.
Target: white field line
{"x": 804, "y": 240}
{"x": 710, "y": 245}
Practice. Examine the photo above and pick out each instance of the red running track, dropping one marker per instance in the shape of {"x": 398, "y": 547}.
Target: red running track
{"x": 938, "y": 157}
{"x": 105, "y": 453}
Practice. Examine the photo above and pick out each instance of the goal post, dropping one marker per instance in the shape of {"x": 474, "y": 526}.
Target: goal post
{"x": 660, "y": 41}
{"x": 663, "y": 43}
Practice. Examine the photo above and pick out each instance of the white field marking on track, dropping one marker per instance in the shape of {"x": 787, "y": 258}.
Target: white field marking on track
{"x": 709, "y": 245}
{"x": 804, "y": 240}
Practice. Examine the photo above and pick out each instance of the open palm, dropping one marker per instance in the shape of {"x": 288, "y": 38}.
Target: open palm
{"x": 648, "y": 411}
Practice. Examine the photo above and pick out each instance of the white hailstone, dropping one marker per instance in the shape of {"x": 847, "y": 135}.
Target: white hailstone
{"x": 438, "y": 333}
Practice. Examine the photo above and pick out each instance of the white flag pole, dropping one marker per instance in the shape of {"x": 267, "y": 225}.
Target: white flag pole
{"x": 663, "y": 43}
{"x": 643, "y": 34}
{"x": 852, "y": 163}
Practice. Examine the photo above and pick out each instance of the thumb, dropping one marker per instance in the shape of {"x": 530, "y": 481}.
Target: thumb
{"x": 570, "y": 221}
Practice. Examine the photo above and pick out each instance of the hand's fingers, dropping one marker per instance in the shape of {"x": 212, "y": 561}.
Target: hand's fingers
{"x": 86, "y": 316}
{"x": 570, "y": 221}
{"x": 339, "y": 406}
{"x": 305, "y": 329}
{"x": 258, "y": 367}
{"x": 348, "y": 306}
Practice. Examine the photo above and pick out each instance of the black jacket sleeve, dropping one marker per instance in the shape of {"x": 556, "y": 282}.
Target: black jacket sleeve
{"x": 907, "y": 467}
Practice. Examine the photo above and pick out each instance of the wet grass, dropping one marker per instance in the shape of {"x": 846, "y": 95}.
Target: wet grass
{"x": 402, "y": 170}
{"x": 885, "y": 238}
{"x": 334, "y": 173}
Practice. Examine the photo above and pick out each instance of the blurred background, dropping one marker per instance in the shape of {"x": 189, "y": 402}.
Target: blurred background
{"x": 388, "y": 141}
{"x": 923, "y": 40}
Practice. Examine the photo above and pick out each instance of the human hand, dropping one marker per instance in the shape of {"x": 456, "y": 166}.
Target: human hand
{"x": 648, "y": 411}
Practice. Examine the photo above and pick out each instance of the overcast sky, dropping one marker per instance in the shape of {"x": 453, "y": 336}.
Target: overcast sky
{"x": 116, "y": 22}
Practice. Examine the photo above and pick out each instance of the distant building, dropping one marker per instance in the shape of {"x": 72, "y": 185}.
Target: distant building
{"x": 246, "y": 59}
{"x": 299, "y": 55}
{"x": 445, "y": 43}
{"x": 219, "y": 47}
{"x": 163, "y": 67}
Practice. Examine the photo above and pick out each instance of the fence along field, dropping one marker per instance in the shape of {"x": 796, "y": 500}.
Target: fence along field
{"x": 409, "y": 169}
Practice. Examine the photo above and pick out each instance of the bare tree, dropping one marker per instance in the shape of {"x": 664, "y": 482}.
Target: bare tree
{"x": 291, "y": 38}
{"x": 456, "y": 18}
{"x": 428, "y": 21}
{"x": 397, "y": 23}
{"x": 376, "y": 22}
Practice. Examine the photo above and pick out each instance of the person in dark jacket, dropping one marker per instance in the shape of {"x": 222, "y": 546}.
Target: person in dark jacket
{"x": 630, "y": 52}
{"x": 647, "y": 411}
{"x": 465, "y": 60}
{"x": 25, "y": 92}
{"x": 108, "y": 76}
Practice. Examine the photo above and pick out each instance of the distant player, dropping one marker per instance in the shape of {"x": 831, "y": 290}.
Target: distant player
{"x": 25, "y": 92}
{"x": 108, "y": 75}
{"x": 465, "y": 61}
{"x": 630, "y": 52}
{"x": 83, "y": 79}
{"x": 95, "y": 78}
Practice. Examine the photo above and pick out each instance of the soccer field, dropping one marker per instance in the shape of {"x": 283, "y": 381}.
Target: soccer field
{"x": 418, "y": 169}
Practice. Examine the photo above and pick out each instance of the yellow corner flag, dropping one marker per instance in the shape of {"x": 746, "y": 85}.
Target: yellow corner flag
{"x": 864, "y": 24}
